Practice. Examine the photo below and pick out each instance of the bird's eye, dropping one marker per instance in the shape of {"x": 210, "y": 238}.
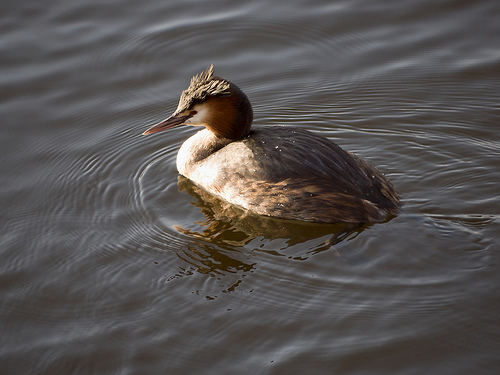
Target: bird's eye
{"x": 192, "y": 113}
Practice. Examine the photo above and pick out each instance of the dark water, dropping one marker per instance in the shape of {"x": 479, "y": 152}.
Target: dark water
{"x": 109, "y": 266}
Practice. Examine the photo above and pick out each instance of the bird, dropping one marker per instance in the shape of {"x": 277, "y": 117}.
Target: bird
{"x": 278, "y": 171}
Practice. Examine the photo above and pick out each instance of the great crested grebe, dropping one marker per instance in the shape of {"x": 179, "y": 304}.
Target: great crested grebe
{"x": 277, "y": 171}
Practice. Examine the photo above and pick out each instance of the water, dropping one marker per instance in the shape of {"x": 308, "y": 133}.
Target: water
{"x": 111, "y": 265}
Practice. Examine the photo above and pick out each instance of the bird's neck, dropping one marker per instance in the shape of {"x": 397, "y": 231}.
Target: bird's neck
{"x": 197, "y": 148}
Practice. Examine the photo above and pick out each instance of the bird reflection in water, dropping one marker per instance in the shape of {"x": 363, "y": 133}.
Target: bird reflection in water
{"x": 223, "y": 237}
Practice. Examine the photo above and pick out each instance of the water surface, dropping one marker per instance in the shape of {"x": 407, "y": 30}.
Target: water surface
{"x": 112, "y": 264}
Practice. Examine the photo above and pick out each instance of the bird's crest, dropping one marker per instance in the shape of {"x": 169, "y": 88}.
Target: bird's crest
{"x": 201, "y": 87}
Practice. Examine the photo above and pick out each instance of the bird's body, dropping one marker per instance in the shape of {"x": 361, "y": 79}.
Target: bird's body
{"x": 276, "y": 171}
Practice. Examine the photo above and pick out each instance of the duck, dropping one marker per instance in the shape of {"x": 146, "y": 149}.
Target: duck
{"x": 278, "y": 171}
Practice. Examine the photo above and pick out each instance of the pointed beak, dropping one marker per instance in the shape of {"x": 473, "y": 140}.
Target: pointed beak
{"x": 172, "y": 121}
